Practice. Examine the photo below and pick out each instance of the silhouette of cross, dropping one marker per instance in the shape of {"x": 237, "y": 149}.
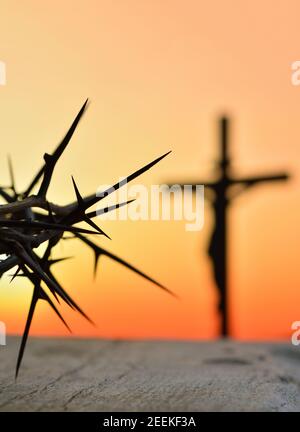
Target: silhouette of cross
{"x": 224, "y": 190}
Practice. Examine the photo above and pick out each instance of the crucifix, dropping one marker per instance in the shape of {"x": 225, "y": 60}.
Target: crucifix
{"x": 223, "y": 191}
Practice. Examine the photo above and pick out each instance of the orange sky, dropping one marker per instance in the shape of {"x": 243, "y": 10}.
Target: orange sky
{"x": 158, "y": 74}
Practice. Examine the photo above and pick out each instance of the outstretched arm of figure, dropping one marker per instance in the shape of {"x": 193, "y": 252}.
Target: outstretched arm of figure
{"x": 247, "y": 182}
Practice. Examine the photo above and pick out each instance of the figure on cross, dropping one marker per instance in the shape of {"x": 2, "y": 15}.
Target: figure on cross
{"x": 224, "y": 189}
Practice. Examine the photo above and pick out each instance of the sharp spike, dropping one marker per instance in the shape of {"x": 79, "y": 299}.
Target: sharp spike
{"x": 56, "y": 155}
{"x": 105, "y": 210}
{"x": 102, "y": 251}
{"x": 44, "y": 225}
{"x": 93, "y": 199}
{"x": 11, "y": 175}
{"x": 26, "y": 330}
{"x": 81, "y": 211}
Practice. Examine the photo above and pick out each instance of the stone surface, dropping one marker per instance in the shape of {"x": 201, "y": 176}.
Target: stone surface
{"x": 100, "y": 375}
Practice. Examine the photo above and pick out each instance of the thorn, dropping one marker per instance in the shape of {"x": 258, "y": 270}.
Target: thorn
{"x": 56, "y": 155}
{"x": 81, "y": 211}
{"x": 11, "y": 174}
{"x": 97, "y": 256}
{"x": 15, "y": 274}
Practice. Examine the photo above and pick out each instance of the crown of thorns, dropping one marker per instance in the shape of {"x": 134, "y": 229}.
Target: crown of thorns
{"x": 28, "y": 220}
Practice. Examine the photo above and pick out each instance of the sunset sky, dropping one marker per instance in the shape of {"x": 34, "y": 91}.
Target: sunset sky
{"x": 159, "y": 73}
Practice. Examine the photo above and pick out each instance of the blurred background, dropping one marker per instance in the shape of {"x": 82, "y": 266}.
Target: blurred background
{"x": 159, "y": 74}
